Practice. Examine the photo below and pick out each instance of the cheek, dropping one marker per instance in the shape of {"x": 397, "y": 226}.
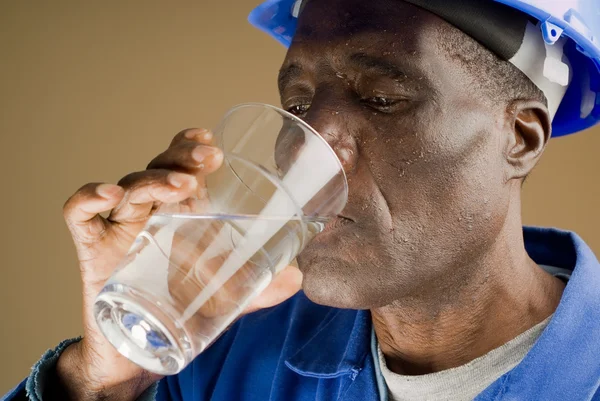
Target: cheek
{"x": 441, "y": 174}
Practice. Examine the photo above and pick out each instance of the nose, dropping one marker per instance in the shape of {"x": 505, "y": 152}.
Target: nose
{"x": 333, "y": 124}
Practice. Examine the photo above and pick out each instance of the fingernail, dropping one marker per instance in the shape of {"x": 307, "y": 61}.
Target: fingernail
{"x": 200, "y": 153}
{"x": 207, "y": 136}
{"x": 178, "y": 179}
{"x": 191, "y": 134}
{"x": 108, "y": 191}
{"x": 218, "y": 158}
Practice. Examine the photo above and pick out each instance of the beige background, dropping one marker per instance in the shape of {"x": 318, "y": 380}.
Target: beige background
{"x": 89, "y": 92}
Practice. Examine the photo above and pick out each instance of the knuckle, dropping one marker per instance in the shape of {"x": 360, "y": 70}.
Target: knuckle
{"x": 156, "y": 162}
{"x": 178, "y": 155}
{"x": 131, "y": 179}
{"x": 67, "y": 208}
{"x": 83, "y": 193}
{"x": 143, "y": 178}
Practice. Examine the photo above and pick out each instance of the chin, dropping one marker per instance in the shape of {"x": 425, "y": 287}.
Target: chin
{"x": 332, "y": 281}
{"x": 340, "y": 273}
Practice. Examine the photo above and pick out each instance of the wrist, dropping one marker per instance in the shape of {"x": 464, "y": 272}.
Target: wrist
{"x": 79, "y": 378}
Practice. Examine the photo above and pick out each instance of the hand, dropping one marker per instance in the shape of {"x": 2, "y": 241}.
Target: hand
{"x": 92, "y": 368}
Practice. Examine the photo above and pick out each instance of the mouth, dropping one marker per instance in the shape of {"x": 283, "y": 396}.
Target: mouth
{"x": 337, "y": 223}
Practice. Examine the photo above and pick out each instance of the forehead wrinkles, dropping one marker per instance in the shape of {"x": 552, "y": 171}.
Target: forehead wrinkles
{"x": 338, "y": 21}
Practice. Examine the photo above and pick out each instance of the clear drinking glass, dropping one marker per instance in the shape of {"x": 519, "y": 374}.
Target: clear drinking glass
{"x": 198, "y": 263}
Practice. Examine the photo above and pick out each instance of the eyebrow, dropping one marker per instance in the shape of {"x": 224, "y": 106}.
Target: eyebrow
{"x": 359, "y": 60}
{"x": 376, "y": 64}
{"x": 288, "y": 74}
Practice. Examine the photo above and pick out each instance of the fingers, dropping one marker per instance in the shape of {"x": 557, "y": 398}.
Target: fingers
{"x": 189, "y": 156}
{"x": 172, "y": 177}
{"x": 82, "y": 210}
{"x": 146, "y": 190}
{"x": 190, "y": 151}
{"x": 200, "y": 135}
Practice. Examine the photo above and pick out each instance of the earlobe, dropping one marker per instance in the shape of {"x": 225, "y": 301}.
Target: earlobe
{"x": 531, "y": 130}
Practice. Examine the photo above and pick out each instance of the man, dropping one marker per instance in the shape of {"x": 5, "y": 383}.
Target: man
{"x": 430, "y": 289}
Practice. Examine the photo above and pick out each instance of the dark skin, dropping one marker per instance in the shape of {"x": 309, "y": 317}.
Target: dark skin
{"x": 431, "y": 239}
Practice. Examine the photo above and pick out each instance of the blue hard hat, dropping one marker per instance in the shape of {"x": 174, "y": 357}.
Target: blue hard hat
{"x": 576, "y": 20}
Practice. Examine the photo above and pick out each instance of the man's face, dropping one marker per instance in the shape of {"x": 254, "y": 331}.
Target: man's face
{"x": 423, "y": 154}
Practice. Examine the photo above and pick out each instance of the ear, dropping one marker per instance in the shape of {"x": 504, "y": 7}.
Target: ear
{"x": 529, "y": 133}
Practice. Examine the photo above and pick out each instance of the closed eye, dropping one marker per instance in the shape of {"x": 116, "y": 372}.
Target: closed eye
{"x": 381, "y": 103}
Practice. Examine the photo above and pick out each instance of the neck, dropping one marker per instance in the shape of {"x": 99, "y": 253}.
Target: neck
{"x": 508, "y": 294}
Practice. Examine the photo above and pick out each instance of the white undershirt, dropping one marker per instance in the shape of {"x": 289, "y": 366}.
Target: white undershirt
{"x": 465, "y": 382}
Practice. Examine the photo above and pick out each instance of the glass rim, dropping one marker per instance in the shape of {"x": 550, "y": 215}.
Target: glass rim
{"x": 298, "y": 120}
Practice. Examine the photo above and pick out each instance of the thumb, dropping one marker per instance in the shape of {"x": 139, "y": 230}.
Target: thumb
{"x": 285, "y": 284}
{"x": 81, "y": 211}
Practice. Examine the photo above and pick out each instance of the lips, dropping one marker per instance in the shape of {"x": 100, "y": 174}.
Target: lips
{"x": 338, "y": 222}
